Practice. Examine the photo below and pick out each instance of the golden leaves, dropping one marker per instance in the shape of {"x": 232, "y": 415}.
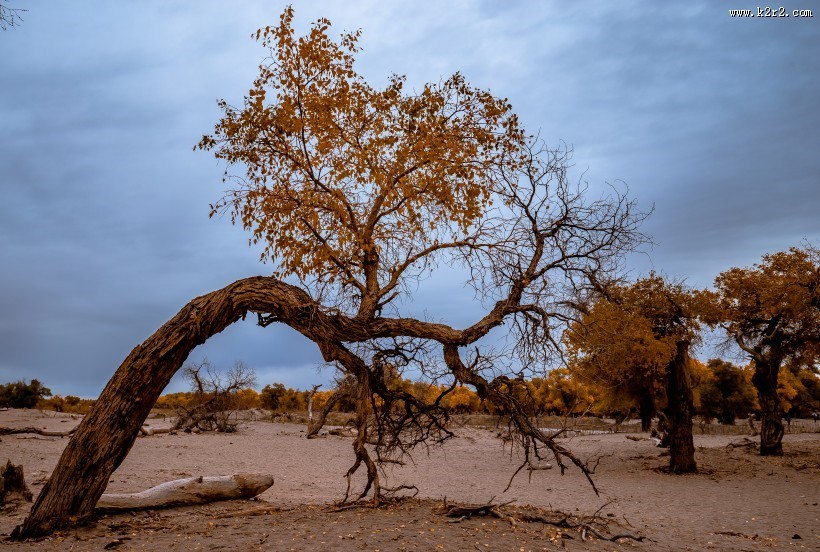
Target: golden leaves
{"x": 339, "y": 173}
{"x": 626, "y": 343}
{"x": 777, "y": 301}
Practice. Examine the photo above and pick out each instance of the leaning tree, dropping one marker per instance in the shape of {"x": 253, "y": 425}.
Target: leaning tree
{"x": 771, "y": 311}
{"x": 355, "y": 194}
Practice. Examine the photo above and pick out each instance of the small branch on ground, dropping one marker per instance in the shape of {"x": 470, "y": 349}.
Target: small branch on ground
{"x": 586, "y": 526}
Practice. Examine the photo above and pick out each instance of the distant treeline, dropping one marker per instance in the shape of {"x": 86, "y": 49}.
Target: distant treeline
{"x": 722, "y": 392}
{"x": 19, "y": 394}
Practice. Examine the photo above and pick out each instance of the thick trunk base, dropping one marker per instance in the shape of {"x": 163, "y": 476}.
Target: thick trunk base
{"x": 771, "y": 424}
{"x": 647, "y": 411}
{"x": 771, "y": 437}
{"x": 680, "y": 406}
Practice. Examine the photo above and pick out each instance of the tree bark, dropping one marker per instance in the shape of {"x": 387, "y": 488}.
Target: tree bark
{"x": 108, "y": 432}
{"x": 771, "y": 424}
{"x": 192, "y": 490}
{"x": 679, "y": 409}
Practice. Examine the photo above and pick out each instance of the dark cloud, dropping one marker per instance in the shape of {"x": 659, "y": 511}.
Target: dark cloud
{"x": 103, "y": 213}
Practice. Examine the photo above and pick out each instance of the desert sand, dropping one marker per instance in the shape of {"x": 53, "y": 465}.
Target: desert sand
{"x": 738, "y": 501}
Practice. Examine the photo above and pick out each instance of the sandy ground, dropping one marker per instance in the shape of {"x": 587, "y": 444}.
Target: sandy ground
{"x": 738, "y": 501}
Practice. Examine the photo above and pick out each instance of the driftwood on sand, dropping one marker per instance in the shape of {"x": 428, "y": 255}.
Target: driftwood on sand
{"x": 188, "y": 491}
{"x": 37, "y": 430}
{"x": 147, "y": 431}
{"x": 144, "y": 430}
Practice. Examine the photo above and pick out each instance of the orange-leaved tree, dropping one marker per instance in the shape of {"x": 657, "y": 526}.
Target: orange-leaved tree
{"x": 772, "y": 312}
{"x": 726, "y": 392}
{"x": 616, "y": 354}
{"x": 355, "y": 193}
{"x": 634, "y": 343}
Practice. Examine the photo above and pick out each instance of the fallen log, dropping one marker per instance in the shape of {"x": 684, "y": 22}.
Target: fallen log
{"x": 147, "y": 431}
{"x": 188, "y": 491}
{"x": 37, "y": 430}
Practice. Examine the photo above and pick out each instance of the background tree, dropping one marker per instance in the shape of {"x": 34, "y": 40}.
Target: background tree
{"x": 638, "y": 337}
{"x": 272, "y": 395}
{"x": 772, "y": 312}
{"x": 344, "y": 391}
{"x": 560, "y": 394}
{"x": 615, "y": 352}
{"x": 799, "y": 390}
{"x": 215, "y": 396}
{"x": 19, "y": 394}
{"x": 726, "y": 393}
{"x": 355, "y": 193}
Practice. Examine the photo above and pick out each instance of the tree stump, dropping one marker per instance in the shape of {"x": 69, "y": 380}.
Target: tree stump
{"x": 13, "y": 487}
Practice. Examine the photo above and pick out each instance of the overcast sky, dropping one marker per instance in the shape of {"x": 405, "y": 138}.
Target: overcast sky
{"x": 104, "y": 232}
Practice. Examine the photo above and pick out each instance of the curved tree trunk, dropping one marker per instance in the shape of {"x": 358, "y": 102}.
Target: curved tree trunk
{"x": 680, "y": 406}
{"x": 771, "y": 426}
{"x": 108, "y": 432}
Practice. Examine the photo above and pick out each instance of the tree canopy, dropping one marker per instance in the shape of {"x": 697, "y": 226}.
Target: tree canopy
{"x": 19, "y": 394}
{"x": 357, "y": 190}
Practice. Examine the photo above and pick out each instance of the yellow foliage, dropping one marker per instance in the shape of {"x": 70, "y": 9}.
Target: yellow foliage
{"x": 622, "y": 346}
{"x": 246, "y": 399}
{"x": 341, "y": 176}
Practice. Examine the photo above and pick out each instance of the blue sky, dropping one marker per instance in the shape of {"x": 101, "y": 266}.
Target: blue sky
{"x": 104, "y": 232}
